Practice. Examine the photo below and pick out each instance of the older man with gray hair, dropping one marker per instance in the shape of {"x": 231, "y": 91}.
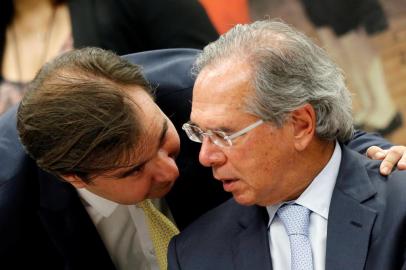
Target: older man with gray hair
{"x": 272, "y": 112}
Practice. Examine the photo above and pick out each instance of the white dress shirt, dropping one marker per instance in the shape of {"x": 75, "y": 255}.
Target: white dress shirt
{"x": 123, "y": 230}
{"x": 316, "y": 197}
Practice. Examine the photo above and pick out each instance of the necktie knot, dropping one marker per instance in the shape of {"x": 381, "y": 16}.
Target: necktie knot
{"x": 147, "y": 205}
{"x": 295, "y": 218}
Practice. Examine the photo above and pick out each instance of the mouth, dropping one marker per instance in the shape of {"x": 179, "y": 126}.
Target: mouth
{"x": 229, "y": 184}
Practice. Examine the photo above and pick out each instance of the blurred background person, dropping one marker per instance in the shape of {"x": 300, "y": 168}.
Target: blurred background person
{"x": 344, "y": 28}
{"x": 33, "y": 32}
{"x": 373, "y": 57}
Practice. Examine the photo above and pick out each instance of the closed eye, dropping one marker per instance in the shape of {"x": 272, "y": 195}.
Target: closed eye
{"x": 134, "y": 170}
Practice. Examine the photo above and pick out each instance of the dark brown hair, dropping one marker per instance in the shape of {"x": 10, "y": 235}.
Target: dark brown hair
{"x": 77, "y": 116}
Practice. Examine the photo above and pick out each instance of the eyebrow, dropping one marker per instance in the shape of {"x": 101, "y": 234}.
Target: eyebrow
{"x": 163, "y": 132}
{"x": 221, "y": 128}
{"x": 160, "y": 143}
{"x": 130, "y": 171}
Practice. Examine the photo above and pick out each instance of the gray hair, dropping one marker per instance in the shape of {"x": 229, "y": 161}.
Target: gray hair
{"x": 289, "y": 70}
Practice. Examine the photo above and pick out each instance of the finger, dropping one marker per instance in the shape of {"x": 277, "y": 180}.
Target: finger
{"x": 375, "y": 152}
{"x": 402, "y": 162}
{"x": 393, "y": 155}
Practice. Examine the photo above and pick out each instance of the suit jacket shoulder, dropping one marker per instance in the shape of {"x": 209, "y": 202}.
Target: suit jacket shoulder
{"x": 366, "y": 224}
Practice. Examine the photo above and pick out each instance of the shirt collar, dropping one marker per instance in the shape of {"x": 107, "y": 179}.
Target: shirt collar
{"x": 317, "y": 196}
{"x": 101, "y": 205}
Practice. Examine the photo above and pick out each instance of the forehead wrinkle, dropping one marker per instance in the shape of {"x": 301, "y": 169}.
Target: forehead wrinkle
{"x": 219, "y": 92}
{"x": 228, "y": 82}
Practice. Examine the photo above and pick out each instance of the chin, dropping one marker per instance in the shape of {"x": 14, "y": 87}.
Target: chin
{"x": 159, "y": 193}
{"x": 244, "y": 201}
{"x": 127, "y": 202}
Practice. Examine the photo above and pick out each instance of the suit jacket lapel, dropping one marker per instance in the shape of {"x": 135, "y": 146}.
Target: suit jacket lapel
{"x": 350, "y": 222}
{"x": 69, "y": 226}
{"x": 251, "y": 248}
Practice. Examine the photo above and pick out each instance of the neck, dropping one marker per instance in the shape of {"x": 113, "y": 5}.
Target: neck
{"x": 31, "y": 14}
{"x": 30, "y": 6}
{"x": 310, "y": 163}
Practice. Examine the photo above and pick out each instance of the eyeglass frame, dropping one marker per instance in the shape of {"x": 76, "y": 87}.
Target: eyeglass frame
{"x": 228, "y": 139}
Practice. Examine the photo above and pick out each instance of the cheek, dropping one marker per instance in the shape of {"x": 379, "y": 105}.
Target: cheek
{"x": 134, "y": 190}
{"x": 261, "y": 164}
{"x": 250, "y": 157}
{"x": 141, "y": 187}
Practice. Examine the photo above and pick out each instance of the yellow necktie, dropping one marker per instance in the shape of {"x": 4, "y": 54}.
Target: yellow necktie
{"x": 161, "y": 230}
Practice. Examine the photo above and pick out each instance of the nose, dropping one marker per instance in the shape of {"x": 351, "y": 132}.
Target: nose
{"x": 210, "y": 155}
{"x": 165, "y": 168}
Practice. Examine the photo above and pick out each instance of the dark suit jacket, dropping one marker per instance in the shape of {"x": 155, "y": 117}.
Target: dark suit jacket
{"x": 42, "y": 220}
{"x": 366, "y": 227}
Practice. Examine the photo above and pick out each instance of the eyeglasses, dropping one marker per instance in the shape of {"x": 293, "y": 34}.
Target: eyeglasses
{"x": 219, "y": 138}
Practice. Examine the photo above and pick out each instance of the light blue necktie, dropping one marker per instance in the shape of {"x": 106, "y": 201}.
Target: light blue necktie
{"x": 296, "y": 220}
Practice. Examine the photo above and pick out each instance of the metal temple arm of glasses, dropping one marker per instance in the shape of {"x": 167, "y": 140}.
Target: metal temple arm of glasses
{"x": 245, "y": 130}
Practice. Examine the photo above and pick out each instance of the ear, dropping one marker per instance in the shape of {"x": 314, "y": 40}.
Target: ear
{"x": 74, "y": 180}
{"x": 304, "y": 126}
